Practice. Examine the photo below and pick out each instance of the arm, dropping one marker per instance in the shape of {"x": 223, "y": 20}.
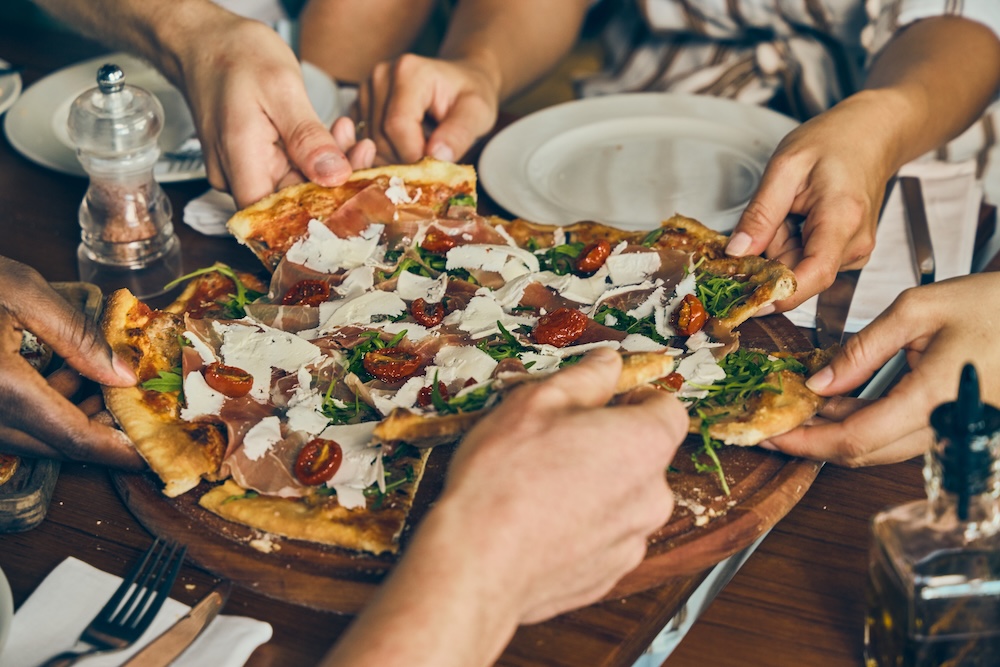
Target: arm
{"x": 941, "y": 327}
{"x": 931, "y": 81}
{"x": 36, "y": 418}
{"x": 347, "y": 39}
{"x": 243, "y": 84}
{"x": 493, "y": 49}
{"x": 519, "y": 533}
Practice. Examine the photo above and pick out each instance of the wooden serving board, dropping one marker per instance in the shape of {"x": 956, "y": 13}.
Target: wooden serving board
{"x": 706, "y": 527}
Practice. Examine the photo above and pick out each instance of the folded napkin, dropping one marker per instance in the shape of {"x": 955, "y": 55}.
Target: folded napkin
{"x": 209, "y": 212}
{"x": 65, "y": 602}
{"x": 952, "y": 196}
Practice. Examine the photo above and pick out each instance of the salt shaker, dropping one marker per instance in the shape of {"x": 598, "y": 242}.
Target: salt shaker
{"x": 128, "y": 238}
{"x": 934, "y": 571}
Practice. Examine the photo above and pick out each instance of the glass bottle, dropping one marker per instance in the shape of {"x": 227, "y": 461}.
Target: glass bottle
{"x": 127, "y": 237}
{"x": 934, "y": 572}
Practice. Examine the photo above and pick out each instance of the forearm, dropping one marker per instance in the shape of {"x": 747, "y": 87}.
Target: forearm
{"x": 347, "y": 39}
{"x": 162, "y": 31}
{"x": 516, "y": 41}
{"x": 932, "y": 81}
{"x": 442, "y": 606}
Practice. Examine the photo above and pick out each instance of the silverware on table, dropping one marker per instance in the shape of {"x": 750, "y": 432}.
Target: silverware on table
{"x": 164, "y": 649}
{"x": 834, "y": 303}
{"x": 132, "y": 608}
{"x": 917, "y": 229}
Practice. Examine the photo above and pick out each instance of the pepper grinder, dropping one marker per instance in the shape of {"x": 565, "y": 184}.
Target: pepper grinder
{"x": 934, "y": 571}
{"x": 127, "y": 235}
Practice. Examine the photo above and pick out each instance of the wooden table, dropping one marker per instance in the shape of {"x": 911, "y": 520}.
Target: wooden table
{"x": 797, "y": 601}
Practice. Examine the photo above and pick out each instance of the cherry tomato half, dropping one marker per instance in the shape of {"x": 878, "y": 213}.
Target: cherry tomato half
{"x": 424, "y": 399}
{"x": 437, "y": 242}
{"x": 229, "y": 380}
{"x": 690, "y": 316}
{"x": 560, "y": 327}
{"x": 427, "y": 314}
{"x": 318, "y": 461}
{"x": 672, "y": 382}
{"x": 391, "y": 364}
{"x": 593, "y": 256}
{"x": 307, "y": 293}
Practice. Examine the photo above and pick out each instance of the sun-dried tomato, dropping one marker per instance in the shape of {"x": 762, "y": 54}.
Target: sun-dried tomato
{"x": 424, "y": 399}
{"x": 318, "y": 461}
{"x": 229, "y": 380}
{"x": 437, "y": 242}
{"x": 560, "y": 327}
{"x": 672, "y": 382}
{"x": 593, "y": 256}
{"x": 427, "y": 314}
{"x": 306, "y": 293}
{"x": 690, "y": 316}
{"x": 391, "y": 364}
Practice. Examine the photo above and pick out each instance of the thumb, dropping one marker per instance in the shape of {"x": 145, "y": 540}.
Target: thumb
{"x": 765, "y": 213}
{"x": 71, "y": 334}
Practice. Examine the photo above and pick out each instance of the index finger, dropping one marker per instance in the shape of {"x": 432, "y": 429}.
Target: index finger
{"x": 765, "y": 213}
{"x": 403, "y": 122}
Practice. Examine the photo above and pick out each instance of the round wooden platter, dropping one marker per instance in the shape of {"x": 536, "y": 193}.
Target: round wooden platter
{"x": 706, "y": 527}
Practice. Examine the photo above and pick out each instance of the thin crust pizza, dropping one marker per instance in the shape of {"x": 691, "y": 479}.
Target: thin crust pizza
{"x": 393, "y": 318}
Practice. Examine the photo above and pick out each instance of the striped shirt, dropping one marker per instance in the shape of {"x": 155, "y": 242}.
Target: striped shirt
{"x": 800, "y": 56}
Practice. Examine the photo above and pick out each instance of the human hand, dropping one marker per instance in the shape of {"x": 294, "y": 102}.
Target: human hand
{"x": 257, "y": 127}
{"x": 558, "y": 493}
{"x": 401, "y": 96}
{"x": 36, "y": 419}
{"x": 831, "y": 171}
{"x": 941, "y": 327}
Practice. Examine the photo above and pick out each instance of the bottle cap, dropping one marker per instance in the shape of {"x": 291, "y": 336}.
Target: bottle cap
{"x": 965, "y": 428}
{"x": 114, "y": 119}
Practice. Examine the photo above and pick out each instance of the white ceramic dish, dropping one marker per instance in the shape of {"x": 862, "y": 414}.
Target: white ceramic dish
{"x": 10, "y": 88}
{"x": 36, "y": 124}
{"x": 6, "y": 610}
{"x": 633, "y": 160}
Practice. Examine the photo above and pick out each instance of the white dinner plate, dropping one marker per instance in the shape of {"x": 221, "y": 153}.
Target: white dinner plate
{"x": 36, "y": 124}
{"x": 6, "y": 610}
{"x": 633, "y": 160}
{"x": 10, "y": 87}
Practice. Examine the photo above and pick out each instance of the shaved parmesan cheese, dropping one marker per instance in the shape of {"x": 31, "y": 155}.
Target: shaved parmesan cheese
{"x": 633, "y": 267}
{"x": 360, "y": 310}
{"x": 203, "y": 350}
{"x": 261, "y": 437}
{"x": 411, "y": 287}
{"x": 468, "y": 362}
{"x": 356, "y": 282}
{"x": 571, "y": 350}
{"x": 200, "y": 399}
{"x": 397, "y": 194}
{"x": 322, "y": 250}
{"x": 257, "y": 349}
{"x": 489, "y": 257}
{"x": 699, "y": 368}
{"x": 305, "y": 409}
{"x": 639, "y": 343}
{"x": 480, "y": 317}
{"x": 361, "y": 465}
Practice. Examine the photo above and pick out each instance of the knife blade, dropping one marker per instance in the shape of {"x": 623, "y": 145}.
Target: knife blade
{"x": 834, "y": 303}
{"x": 917, "y": 229}
{"x": 164, "y": 649}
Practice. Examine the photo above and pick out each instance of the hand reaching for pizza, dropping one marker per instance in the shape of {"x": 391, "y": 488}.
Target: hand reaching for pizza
{"x": 941, "y": 327}
{"x": 835, "y": 183}
{"x": 36, "y": 418}
{"x": 460, "y": 97}
{"x": 258, "y": 128}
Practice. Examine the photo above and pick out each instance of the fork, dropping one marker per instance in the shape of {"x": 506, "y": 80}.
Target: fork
{"x": 132, "y": 608}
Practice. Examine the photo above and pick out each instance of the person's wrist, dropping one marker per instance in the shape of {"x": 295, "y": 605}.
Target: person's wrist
{"x": 896, "y": 116}
{"x": 191, "y": 31}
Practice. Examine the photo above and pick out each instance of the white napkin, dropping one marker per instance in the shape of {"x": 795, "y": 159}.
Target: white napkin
{"x": 65, "y": 602}
{"x": 952, "y": 196}
{"x": 209, "y": 212}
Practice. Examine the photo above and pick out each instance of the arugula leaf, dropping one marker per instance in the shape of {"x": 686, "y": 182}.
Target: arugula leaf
{"x": 745, "y": 374}
{"x": 235, "y": 307}
{"x": 625, "y": 322}
{"x": 390, "y": 486}
{"x": 349, "y": 413}
{"x": 720, "y": 294}
{"x": 468, "y": 402}
{"x": 507, "y": 347}
{"x": 171, "y": 380}
{"x": 248, "y": 494}
{"x": 651, "y": 238}
{"x": 708, "y": 447}
{"x": 462, "y": 200}
{"x": 560, "y": 259}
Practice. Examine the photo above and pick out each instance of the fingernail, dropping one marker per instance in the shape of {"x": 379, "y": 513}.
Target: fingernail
{"x": 765, "y": 310}
{"x": 768, "y": 445}
{"x": 122, "y": 369}
{"x": 739, "y": 244}
{"x": 330, "y": 165}
{"x": 443, "y": 152}
{"x": 821, "y": 380}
